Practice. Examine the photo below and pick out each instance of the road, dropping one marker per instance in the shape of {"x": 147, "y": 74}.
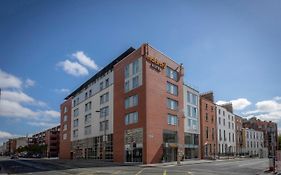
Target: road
{"x": 220, "y": 167}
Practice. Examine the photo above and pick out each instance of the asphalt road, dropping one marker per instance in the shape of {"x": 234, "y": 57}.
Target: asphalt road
{"x": 225, "y": 167}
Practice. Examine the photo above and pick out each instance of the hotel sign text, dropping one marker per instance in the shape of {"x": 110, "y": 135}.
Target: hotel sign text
{"x": 156, "y": 64}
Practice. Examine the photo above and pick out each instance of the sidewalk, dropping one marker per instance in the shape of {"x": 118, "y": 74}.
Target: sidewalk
{"x": 185, "y": 162}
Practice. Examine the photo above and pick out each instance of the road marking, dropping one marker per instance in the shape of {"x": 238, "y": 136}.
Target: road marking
{"x": 252, "y": 163}
{"x": 117, "y": 172}
{"x": 140, "y": 171}
{"x": 165, "y": 172}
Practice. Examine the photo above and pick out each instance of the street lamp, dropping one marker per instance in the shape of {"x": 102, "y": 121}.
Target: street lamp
{"x": 104, "y": 133}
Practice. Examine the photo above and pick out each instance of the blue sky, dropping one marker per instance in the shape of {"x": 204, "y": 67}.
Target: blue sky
{"x": 230, "y": 47}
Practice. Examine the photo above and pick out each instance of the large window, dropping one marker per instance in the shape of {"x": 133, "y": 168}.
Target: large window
{"x": 172, "y": 119}
{"x": 171, "y": 73}
{"x": 104, "y": 98}
{"x": 131, "y": 118}
{"x": 88, "y": 118}
{"x": 76, "y": 112}
{"x": 104, "y": 125}
{"x": 131, "y": 101}
{"x": 133, "y": 76}
{"x": 88, "y": 130}
{"x": 104, "y": 111}
{"x": 172, "y": 89}
{"x": 75, "y": 133}
{"x": 192, "y": 98}
{"x": 88, "y": 106}
{"x": 172, "y": 104}
{"x": 75, "y": 123}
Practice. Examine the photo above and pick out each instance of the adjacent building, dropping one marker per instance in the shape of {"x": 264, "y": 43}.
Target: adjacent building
{"x": 208, "y": 126}
{"x": 226, "y": 130}
{"x": 65, "y": 130}
{"x": 191, "y": 122}
{"x": 253, "y": 143}
{"x": 238, "y": 131}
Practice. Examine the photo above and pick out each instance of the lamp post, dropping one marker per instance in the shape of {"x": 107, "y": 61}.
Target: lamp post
{"x": 104, "y": 133}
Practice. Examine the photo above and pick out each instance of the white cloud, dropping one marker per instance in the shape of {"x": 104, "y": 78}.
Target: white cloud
{"x": 62, "y": 90}
{"x": 85, "y": 60}
{"x": 29, "y": 83}
{"x": 15, "y": 109}
{"x": 277, "y": 98}
{"x": 4, "y": 135}
{"x": 238, "y": 104}
{"x": 42, "y": 124}
{"x": 73, "y": 68}
{"x": 9, "y": 81}
{"x": 16, "y": 96}
{"x": 50, "y": 113}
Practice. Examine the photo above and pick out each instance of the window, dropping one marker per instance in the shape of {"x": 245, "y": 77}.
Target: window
{"x": 127, "y": 86}
{"x": 219, "y": 111}
{"x": 194, "y": 112}
{"x": 127, "y": 71}
{"x": 75, "y": 133}
{"x": 76, "y": 112}
{"x": 224, "y": 135}
{"x": 131, "y": 101}
{"x": 223, "y": 122}
{"x": 213, "y": 134}
{"x": 232, "y": 137}
{"x": 64, "y": 136}
{"x": 206, "y": 107}
{"x": 223, "y": 113}
{"x": 131, "y": 118}
{"x": 106, "y": 82}
{"x": 206, "y": 117}
{"x": 104, "y": 125}
{"x": 87, "y": 130}
{"x": 104, "y": 98}
{"x": 172, "y": 104}
{"x": 232, "y": 125}
{"x": 104, "y": 111}
{"x": 133, "y": 75}
{"x": 228, "y": 125}
{"x": 88, "y": 106}
{"x": 172, "y": 89}
{"x": 194, "y": 99}
{"x": 101, "y": 86}
{"x": 172, "y": 119}
{"x": 212, "y": 119}
{"x": 219, "y": 120}
{"x": 171, "y": 73}
{"x": 65, "y": 109}
{"x": 88, "y": 118}
{"x": 65, "y": 118}
{"x": 90, "y": 93}
{"x": 86, "y": 95}
{"x": 220, "y": 134}
{"x": 135, "y": 82}
{"x": 75, "y": 123}
{"x": 65, "y": 127}
{"x": 207, "y": 132}
{"x": 229, "y": 137}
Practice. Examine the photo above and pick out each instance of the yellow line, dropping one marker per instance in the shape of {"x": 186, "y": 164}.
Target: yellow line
{"x": 140, "y": 171}
{"x": 165, "y": 172}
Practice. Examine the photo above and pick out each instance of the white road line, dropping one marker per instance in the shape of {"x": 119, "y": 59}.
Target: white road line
{"x": 252, "y": 163}
{"x": 140, "y": 171}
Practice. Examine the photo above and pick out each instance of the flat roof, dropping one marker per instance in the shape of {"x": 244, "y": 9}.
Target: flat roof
{"x": 101, "y": 72}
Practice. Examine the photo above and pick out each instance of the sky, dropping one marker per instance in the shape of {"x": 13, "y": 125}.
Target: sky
{"x": 48, "y": 48}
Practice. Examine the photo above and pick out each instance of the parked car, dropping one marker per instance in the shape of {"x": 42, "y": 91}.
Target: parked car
{"x": 14, "y": 157}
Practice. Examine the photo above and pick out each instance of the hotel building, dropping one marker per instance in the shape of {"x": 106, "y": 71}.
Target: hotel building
{"x": 208, "y": 126}
{"x": 226, "y": 129}
{"x": 131, "y": 110}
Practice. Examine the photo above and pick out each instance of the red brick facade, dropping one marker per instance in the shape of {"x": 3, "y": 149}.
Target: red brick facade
{"x": 152, "y": 105}
{"x": 65, "y": 143}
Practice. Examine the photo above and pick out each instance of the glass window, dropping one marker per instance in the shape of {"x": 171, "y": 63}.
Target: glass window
{"x": 135, "y": 82}
{"x": 75, "y": 133}
{"x": 88, "y": 118}
{"x": 64, "y": 136}
{"x": 194, "y": 112}
{"x": 135, "y": 67}
{"x": 171, "y": 73}
{"x": 127, "y": 86}
{"x": 194, "y": 99}
{"x": 87, "y": 130}
{"x": 172, "y": 89}
{"x": 104, "y": 125}
{"x": 101, "y": 86}
{"x": 65, "y": 109}
{"x": 104, "y": 98}
{"x": 65, "y": 127}
{"x": 131, "y": 118}
{"x": 76, "y": 112}
{"x": 75, "y": 123}
{"x": 88, "y": 106}
{"x": 172, "y": 119}
{"x": 131, "y": 101}
{"x": 65, "y": 118}
{"x": 127, "y": 71}
{"x": 104, "y": 111}
{"x": 106, "y": 82}
{"x": 172, "y": 104}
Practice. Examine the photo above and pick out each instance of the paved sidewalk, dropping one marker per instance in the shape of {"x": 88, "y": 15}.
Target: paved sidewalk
{"x": 186, "y": 162}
